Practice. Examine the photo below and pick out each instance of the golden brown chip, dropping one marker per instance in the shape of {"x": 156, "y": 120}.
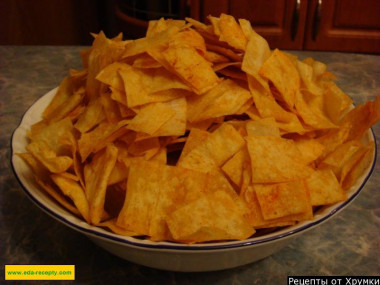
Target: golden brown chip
{"x": 324, "y": 188}
{"x": 118, "y": 174}
{"x": 78, "y": 77}
{"x": 176, "y": 125}
{"x": 52, "y": 134}
{"x": 224, "y": 51}
{"x": 358, "y": 163}
{"x": 66, "y": 108}
{"x": 215, "y": 24}
{"x": 310, "y": 149}
{"x": 233, "y": 72}
{"x": 195, "y": 138}
{"x": 311, "y": 114}
{"x": 110, "y": 75}
{"x": 224, "y": 99}
{"x": 275, "y": 159}
{"x": 216, "y": 181}
{"x": 263, "y": 127}
{"x": 333, "y": 138}
{"x": 64, "y": 92}
{"x": 71, "y": 141}
{"x": 211, "y": 217}
{"x": 160, "y": 156}
{"x": 72, "y": 189}
{"x": 361, "y": 118}
{"x": 336, "y": 102}
{"x": 48, "y": 187}
{"x": 157, "y": 26}
{"x": 141, "y": 147}
{"x": 279, "y": 69}
{"x": 142, "y": 45}
{"x": 253, "y": 113}
{"x": 38, "y": 168}
{"x": 146, "y": 61}
{"x": 319, "y": 68}
{"x": 257, "y": 52}
{"x": 191, "y": 38}
{"x": 98, "y": 138}
{"x": 110, "y": 108}
{"x": 140, "y": 200}
{"x": 336, "y": 159}
{"x": 215, "y": 57}
{"x": 151, "y": 117}
{"x": 268, "y": 107}
{"x": 215, "y": 150}
{"x": 220, "y": 66}
{"x": 164, "y": 189}
{"x": 189, "y": 65}
{"x": 103, "y": 52}
{"x": 91, "y": 116}
{"x": 283, "y": 199}
{"x": 144, "y": 86}
{"x": 96, "y": 176}
{"x": 161, "y": 80}
{"x": 48, "y": 157}
{"x": 255, "y": 217}
{"x": 236, "y": 165}
{"x": 308, "y": 78}
{"x": 231, "y": 32}
{"x": 199, "y": 26}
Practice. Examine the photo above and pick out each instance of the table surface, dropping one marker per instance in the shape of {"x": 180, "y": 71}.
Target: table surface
{"x": 348, "y": 244}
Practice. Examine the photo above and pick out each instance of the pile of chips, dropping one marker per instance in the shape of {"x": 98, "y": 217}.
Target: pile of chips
{"x": 198, "y": 133}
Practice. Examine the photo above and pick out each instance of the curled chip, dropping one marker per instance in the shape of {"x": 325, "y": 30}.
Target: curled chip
{"x": 198, "y": 132}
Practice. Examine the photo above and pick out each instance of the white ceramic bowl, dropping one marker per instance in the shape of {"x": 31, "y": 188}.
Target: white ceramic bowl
{"x": 166, "y": 255}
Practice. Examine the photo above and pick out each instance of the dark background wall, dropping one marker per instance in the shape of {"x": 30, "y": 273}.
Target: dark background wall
{"x": 70, "y": 22}
{"x": 53, "y": 22}
{"x": 330, "y": 25}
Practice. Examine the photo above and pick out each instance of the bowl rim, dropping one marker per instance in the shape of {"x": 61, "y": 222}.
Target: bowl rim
{"x": 143, "y": 244}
